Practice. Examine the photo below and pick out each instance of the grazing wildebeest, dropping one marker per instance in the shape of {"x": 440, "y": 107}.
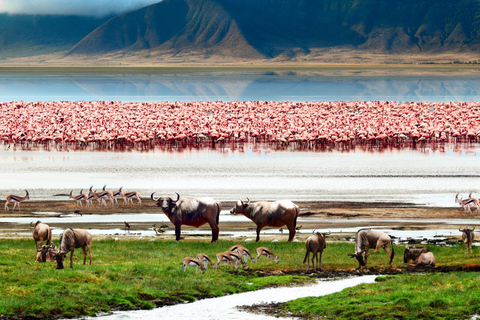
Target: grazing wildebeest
{"x": 271, "y": 214}
{"x": 467, "y": 236}
{"x": 69, "y": 241}
{"x": 44, "y": 254}
{"x": 421, "y": 257}
{"x": 315, "y": 244}
{"x": 366, "y": 239}
{"x": 191, "y": 212}
{"x": 41, "y": 232}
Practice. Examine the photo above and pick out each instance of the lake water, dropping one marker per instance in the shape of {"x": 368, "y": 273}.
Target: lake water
{"x": 423, "y": 176}
{"x": 323, "y": 85}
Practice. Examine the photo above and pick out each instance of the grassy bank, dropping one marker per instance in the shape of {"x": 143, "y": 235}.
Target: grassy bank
{"x": 145, "y": 274}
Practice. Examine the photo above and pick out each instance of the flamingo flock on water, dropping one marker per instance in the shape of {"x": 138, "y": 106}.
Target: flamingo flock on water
{"x": 110, "y": 124}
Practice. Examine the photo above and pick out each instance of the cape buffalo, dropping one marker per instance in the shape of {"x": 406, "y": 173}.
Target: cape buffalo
{"x": 271, "y": 214}
{"x": 191, "y": 212}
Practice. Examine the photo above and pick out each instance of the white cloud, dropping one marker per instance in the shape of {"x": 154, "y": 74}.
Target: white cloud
{"x": 95, "y": 8}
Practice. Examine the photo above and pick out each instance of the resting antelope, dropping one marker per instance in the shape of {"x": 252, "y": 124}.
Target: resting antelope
{"x": 366, "y": 239}
{"x": 468, "y": 236}
{"x": 422, "y": 257}
{"x": 467, "y": 203}
{"x": 192, "y": 262}
{"x": 315, "y": 244}
{"x": 79, "y": 198}
{"x": 264, "y": 251}
{"x": 205, "y": 259}
{"x": 243, "y": 251}
{"x": 16, "y": 200}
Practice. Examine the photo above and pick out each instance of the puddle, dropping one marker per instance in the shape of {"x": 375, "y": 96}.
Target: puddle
{"x": 226, "y": 307}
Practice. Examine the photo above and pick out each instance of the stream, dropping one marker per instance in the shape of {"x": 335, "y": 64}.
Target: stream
{"x": 226, "y": 307}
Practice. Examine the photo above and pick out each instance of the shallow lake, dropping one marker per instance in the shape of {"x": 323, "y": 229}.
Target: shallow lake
{"x": 287, "y": 85}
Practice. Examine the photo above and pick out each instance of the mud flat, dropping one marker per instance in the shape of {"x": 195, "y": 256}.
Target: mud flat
{"x": 406, "y": 222}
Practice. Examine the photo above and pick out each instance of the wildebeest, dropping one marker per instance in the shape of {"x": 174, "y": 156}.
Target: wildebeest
{"x": 420, "y": 257}
{"x": 41, "y": 232}
{"x": 271, "y": 214}
{"x": 69, "y": 241}
{"x": 191, "y": 212}
{"x": 315, "y": 244}
{"x": 366, "y": 239}
{"x": 44, "y": 254}
{"x": 467, "y": 236}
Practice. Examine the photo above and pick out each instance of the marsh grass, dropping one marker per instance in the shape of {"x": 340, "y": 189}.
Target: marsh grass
{"x": 143, "y": 274}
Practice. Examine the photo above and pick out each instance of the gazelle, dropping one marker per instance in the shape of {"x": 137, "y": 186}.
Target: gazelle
{"x": 192, "y": 262}
{"x": 79, "y": 198}
{"x": 237, "y": 257}
{"x": 226, "y": 259}
{"x": 264, "y": 251}
{"x": 16, "y": 200}
{"x": 243, "y": 251}
{"x": 99, "y": 196}
{"x": 109, "y": 194}
{"x": 205, "y": 259}
{"x": 132, "y": 195}
{"x": 466, "y": 203}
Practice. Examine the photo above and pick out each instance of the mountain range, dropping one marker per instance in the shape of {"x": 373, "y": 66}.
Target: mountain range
{"x": 253, "y": 29}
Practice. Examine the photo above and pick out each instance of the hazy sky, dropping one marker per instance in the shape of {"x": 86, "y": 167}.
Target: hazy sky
{"x": 96, "y": 8}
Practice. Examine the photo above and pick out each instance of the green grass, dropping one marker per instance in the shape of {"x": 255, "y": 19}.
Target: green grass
{"x": 144, "y": 274}
{"x": 453, "y": 295}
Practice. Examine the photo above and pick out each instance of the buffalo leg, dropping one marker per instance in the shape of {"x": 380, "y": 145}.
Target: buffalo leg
{"x": 178, "y": 228}
{"x": 259, "y": 228}
{"x": 291, "y": 233}
{"x": 215, "y": 231}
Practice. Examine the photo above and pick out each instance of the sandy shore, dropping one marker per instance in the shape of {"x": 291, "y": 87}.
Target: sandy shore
{"x": 313, "y": 215}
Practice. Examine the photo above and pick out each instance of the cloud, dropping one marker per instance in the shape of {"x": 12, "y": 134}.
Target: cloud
{"x": 94, "y": 8}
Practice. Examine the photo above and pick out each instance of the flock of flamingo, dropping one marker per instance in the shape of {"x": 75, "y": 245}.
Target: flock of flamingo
{"x": 113, "y": 124}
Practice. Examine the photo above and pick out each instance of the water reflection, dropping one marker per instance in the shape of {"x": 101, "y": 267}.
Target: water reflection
{"x": 240, "y": 85}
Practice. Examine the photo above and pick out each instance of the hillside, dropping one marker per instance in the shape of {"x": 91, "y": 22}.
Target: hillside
{"x": 27, "y": 35}
{"x": 287, "y": 28}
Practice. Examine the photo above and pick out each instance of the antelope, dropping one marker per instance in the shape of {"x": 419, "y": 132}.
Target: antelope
{"x": 192, "y": 262}
{"x": 109, "y": 194}
{"x": 315, "y": 244}
{"x": 467, "y": 236}
{"x": 420, "y": 256}
{"x": 99, "y": 196}
{"x": 205, "y": 259}
{"x": 41, "y": 232}
{"x": 243, "y": 251}
{"x": 16, "y": 200}
{"x": 466, "y": 203}
{"x": 264, "y": 251}
{"x": 129, "y": 196}
{"x": 237, "y": 257}
{"x": 225, "y": 258}
{"x": 366, "y": 239}
{"x": 79, "y": 198}
{"x": 119, "y": 194}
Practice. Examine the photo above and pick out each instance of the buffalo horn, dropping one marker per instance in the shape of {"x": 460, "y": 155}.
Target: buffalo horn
{"x": 178, "y": 197}
{"x": 248, "y": 201}
{"x": 151, "y": 197}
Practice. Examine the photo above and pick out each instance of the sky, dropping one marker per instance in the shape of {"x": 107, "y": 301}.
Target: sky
{"x": 93, "y": 8}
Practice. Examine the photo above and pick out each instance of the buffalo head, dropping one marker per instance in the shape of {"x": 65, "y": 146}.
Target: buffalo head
{"x": 166, "y": 203}
{"x": 240, "y": 207}
{"x": 359, "y": 257}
